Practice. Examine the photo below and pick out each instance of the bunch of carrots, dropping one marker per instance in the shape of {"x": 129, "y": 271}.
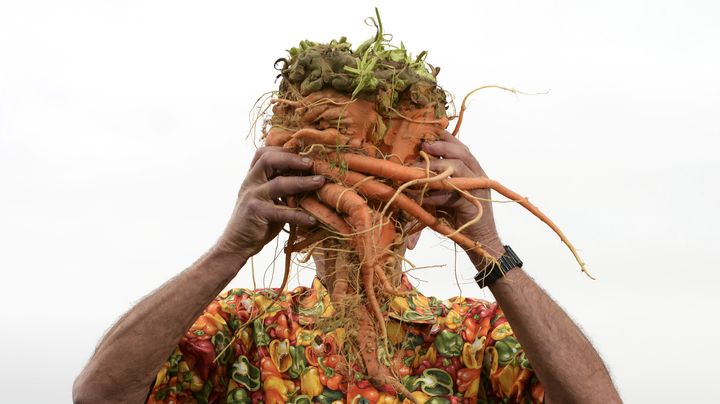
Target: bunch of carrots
{"x": 362, "y": 115}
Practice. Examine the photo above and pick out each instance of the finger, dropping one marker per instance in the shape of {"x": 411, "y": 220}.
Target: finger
{"x": 450, "y": 150}
{"x": 259, "y": 152}
{"x": 460, "y": 169}
{"x": 448, "y": 137}
{"x": 443, "y": 198}
{"x": 286, "y": 186}
{"x": 273, "y": 163}
{"x": 278, "y": 214}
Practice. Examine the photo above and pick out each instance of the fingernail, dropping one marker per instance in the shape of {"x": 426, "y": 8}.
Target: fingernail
{"x": 306, "y": 160}
{"x": 317, "y": 178}
{"x": 312, "y": 219}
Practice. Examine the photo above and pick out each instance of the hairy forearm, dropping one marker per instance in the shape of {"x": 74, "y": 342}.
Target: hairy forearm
{"x": 129, "y": 356}
{"x": 568, "y": 366}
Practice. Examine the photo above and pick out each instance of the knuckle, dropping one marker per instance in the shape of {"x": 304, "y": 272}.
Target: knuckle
{"x": 258, "y": 154}
{"x": 282, "y": 182}
{"x": 254, "y": 205}
{"x": 263, "y": 159}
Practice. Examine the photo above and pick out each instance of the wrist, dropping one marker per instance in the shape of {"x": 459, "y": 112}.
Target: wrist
{"x": 494, "y": 248}
{"x": 227, "y": 247}
{"x": 495, "y": 268}
{"x": 225, "y": 259}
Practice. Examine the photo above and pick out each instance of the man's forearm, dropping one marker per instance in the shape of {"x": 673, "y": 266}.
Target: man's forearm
{"x": 568, "y": 366}
{"x": 128, "y": 357}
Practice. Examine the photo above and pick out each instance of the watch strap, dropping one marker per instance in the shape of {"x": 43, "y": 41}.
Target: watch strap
{"x": 496, "y": 270}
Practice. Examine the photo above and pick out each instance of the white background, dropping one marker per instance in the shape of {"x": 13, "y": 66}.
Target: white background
{"x": 123, "y": 142}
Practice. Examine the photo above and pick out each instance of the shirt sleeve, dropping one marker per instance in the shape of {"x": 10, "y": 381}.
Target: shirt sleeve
{"x": 192, "y": 373}
{"x": 505, "y": 373}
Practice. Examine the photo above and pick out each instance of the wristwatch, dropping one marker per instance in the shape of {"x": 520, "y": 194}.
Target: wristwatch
{"x": 494, "y": 271}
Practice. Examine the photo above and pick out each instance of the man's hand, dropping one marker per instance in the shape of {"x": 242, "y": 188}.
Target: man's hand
{"x": 127, "y": 359}
{"x": 566, "y": 363}
{"x": 259, "y": 212}
{"x": 453, "y": 206}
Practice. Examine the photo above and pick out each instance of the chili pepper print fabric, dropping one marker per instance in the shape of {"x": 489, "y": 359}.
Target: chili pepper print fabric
{"x": 255, "y": 347}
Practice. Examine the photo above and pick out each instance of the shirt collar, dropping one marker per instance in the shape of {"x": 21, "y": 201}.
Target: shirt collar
{"x": 413, "y": 308}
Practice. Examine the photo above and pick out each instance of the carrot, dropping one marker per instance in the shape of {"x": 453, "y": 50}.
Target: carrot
{"x": 398, "y": 172}
{"x": 377, "y": 372}
{"x": 339, "y": 277}
{"x": 322, "y": 213}
{"x": 360, "y": 217}
{"x": 387, "y": 237}
{"x": 308, "y": 136}
{"x": 277, "y": 136}
{"x": 377, "y": 190}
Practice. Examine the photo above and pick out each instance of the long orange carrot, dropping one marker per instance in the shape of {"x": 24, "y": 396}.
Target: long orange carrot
{"x": 377, "y": 190}
{"x": 360, "y": 217}
{"x": 398, "y": 172}
{"x": 309, "y": 136}
{"x": 379, "y": 373}
{"x": 277, "y": 136}
{"x": 322, "y": 213}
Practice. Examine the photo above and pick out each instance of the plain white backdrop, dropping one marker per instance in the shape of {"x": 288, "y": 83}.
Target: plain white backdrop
{"x": 123, "y": 143}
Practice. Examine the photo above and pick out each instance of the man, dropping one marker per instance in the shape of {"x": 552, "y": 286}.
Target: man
{"x": 126, "y": 361}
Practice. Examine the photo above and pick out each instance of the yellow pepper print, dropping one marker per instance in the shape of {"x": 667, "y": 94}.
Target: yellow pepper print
{"x": 207, "y": 325}
{"x": 395, "y": 332}
{"x": 472, "y": 354}
{"x": 501, "y": 331}
{"x": 306, "y": 337}
{"x": 275, "y": 385}
{"x": 310, "y": 382}
{"x": 338, "y": 335}
{"x": 280, "y": 354}
{"x": 453, "y": 320}
{"x": 388, "y": 399}
{"x": 399, "y": 305}
{"x": 506, "y": 378}
{"x": 196, "y": 383}
{"x": 245, "y": 338}
{"x": 419, "y": 396}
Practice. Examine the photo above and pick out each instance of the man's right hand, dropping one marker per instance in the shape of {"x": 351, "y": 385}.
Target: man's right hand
{"x": 260, "y": 212}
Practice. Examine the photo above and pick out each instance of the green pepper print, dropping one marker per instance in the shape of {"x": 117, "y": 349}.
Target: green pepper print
{"x": 221, "y": 342}
{"x": 329, "y": 396}
{"x": 507, "y": 349}
{"x": 259, "y": 335}
{"x": 449, "y": 344}
{"x": 412, "y": 341}
{"x": 301, "y": 399}
{"x": 436, "y": 382}
{"x": 238, "y": 396}
{"x": 298, "y": 362}
{"x": 411, "y": 382}
{"x": 246, "y": 374}
{"x": 438, "y": 400}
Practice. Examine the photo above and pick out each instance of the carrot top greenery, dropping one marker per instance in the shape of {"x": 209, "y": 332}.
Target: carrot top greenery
{"x": 376, "y": 69}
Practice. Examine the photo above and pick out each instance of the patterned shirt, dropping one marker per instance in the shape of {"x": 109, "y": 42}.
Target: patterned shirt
{"x": 457, "y": 351}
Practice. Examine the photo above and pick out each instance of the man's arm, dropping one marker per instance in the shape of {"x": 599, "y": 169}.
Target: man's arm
{"x": 568, "y": 366}
{"x": 128, "y": 357}
{"x": 566, "y": 363}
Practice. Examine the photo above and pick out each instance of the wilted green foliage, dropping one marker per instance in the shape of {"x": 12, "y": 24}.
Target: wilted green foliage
{"x": 375, "y": 69}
